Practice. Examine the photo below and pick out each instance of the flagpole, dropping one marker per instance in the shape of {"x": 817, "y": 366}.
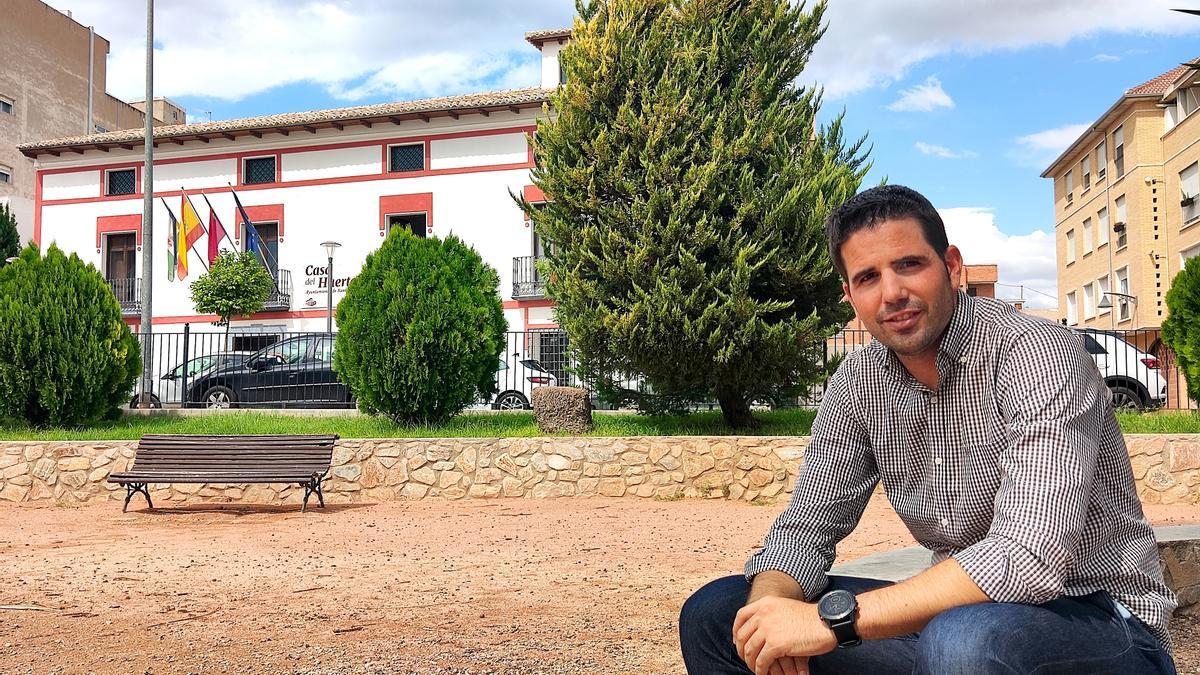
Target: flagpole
{"x": 223, "y": 230}
{"x": 198, "y": 221}
{"x": 252, "y": 231}
{"x": 146, "y": 327}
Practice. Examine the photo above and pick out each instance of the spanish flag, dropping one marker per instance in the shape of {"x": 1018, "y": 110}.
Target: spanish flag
{"x": 190, "y": 231}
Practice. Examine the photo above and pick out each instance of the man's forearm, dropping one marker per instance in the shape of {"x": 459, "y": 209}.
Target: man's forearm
{"x": 907, "y": 606}
{"x": 774, "y": 583}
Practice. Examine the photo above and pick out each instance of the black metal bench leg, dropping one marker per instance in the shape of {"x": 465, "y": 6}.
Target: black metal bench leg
{"x": 310, "y": 488}
{"x": 133, "y": 488}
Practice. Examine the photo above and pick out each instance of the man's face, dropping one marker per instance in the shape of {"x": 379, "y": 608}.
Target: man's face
{"x": 899, "y": 286}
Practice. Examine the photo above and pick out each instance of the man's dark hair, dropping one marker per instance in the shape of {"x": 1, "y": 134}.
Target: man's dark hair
{"x": 871, "y": 207}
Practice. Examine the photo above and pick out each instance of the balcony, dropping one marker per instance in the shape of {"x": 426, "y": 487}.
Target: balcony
{"x": 129, "y": 295}
{"x": 280, "y": 299}
{"x": 527, "y": 281}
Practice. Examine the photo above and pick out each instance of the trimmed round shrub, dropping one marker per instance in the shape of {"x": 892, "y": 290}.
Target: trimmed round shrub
{"x": 420, "y": 330}
{"x": 66, "y": 357}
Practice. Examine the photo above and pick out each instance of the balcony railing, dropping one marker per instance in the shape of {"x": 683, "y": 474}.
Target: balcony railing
{"x": 129, "y": 295}
{"x": 527, "y": 281}
{"x": 280, "y": 299}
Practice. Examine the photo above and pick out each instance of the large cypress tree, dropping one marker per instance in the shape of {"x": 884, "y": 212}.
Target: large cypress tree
{"x": 687, "y": 185}
{"x": 10, "y": 240}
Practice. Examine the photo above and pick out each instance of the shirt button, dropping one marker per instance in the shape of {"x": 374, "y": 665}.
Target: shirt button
{"x": 937, "y": 460}
{"x": 944, "y": 522}
{"x": 933, "y": 399}
{"x": 962, "y": 359}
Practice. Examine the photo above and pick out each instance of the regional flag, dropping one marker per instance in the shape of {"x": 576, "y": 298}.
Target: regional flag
{"x": 216, "y": 232}
{"x": 172, "y": 250}
{"x": 181, "y": 259}
{"x": 191, "y": 222}
{"x": 251, "y": 231}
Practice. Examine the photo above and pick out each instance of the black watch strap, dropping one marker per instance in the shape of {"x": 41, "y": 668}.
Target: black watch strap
{"x": 845, "y": 633}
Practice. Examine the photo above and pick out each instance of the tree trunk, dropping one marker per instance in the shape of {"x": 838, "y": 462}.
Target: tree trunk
{"x": 736, "y": 411}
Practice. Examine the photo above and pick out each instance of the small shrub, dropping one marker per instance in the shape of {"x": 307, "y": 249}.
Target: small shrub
{"x": 420, "y": 330}
{"x": 10, "y": 239}
{"x": 1181, "y": 329}
{"x": 66, "y": 356}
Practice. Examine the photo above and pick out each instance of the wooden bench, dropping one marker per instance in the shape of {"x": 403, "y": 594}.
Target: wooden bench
{"x": 303, "y": 460}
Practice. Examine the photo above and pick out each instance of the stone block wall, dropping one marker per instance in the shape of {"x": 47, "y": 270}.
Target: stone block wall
{"x": 746, "y": 468}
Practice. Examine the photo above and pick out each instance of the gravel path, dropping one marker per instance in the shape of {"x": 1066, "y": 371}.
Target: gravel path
{"x": 503, "y": 586}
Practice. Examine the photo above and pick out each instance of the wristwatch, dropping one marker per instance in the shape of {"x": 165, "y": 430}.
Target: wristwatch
{"x": 839, "y": 610}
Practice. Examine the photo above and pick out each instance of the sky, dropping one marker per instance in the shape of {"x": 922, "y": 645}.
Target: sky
{"x": 967, "y": 101}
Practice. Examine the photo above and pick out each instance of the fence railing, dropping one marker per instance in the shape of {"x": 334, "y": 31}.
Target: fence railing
{"x": 280, "y": 299}
{"x": 129, "y": 295}
{"x": 527, "y": 281}
{"x": 282, "y": 369}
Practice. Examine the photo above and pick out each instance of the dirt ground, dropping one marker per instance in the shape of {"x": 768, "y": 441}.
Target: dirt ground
{"x": 504, "y": 586}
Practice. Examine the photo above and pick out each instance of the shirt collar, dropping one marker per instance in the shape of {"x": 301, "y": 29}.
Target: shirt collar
{"x": 954, "y": 340}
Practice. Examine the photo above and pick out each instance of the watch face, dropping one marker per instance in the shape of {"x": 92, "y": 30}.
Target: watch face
{"x": 836, "y": 605}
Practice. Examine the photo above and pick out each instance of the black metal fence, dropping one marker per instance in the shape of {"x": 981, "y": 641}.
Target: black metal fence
{"x": 282, "y": 369}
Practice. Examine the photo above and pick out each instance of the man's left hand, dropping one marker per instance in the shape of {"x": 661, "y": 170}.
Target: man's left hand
{"x": 771, "y": 628}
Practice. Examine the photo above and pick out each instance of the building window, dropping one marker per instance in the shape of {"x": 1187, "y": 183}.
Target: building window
{"x": 1072, "y": 309}
{"x": 1070, "y": 246}
{"x": 1121, "y": 227}
{"x": 122, "y": 182}
{"x": 1087, "y": 236}
{"x": 258, "y": 170}
{"x": 413, "y": 222}
{"x": 406, "y": 158}
{"x": 1119, "y": 151}
{"x": 5, "y": 174}
{"x": 6, "y": 105}
{"x": 1085, "y": 170}
{"x": 1070, "y": 184}
{"x": 1122, "y": 276}
{"x": 1101, "y": 291}
{"x": 1189, "y": 187}
{"x": 1102, "y": 227}
{"x": 268, "y": 246}
{"x": 1089, "y": 301}
{"x": 1101, "y": 159}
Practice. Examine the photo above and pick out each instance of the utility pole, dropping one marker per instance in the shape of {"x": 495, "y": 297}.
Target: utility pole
{"x": 146, "y": 328}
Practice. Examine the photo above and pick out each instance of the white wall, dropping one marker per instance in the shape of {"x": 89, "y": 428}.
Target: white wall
{"x": 478, "y": 151}
{"x": 550, "y": 70}
{"x": 332, "y": 163}
{"x": 73, "y": 185}
{"x": 194, "y": 175}
{"x": 22, "y": 210}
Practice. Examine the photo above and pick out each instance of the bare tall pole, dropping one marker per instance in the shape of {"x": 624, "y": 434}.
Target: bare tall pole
{"x": 148, "y": 216}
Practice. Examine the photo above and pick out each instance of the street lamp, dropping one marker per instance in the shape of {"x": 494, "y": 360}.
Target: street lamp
{"x": 330, "y": 247}
{"x": 1106, "y": 303}
{"x": 9, "y": 261}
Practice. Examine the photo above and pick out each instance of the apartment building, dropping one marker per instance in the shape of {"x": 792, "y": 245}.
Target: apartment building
{"x": 52, "y": 84}
{"x": 1124, "y": 206}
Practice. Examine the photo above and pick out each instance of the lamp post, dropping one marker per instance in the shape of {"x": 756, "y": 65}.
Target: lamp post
{"x": 1106, "y": 303}
{"x": 330, "y": 247}
{"x": 9, "y": 261}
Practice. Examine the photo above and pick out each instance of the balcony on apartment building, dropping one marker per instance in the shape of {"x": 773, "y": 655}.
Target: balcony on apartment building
{"x": 129, "y": 295}
{"x": 527, "y": 280}
{"x": 280, "y": 299}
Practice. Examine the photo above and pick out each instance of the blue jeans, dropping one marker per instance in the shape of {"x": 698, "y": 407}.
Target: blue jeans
{"x": 1084, "y": 635}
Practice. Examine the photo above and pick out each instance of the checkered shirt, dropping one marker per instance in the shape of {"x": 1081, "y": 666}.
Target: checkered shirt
{"x": 1015, "y": 467}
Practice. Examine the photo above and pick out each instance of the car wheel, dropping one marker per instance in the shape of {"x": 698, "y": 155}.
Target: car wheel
{"x": 219, "y": 397}
{"x": 511, "y": 400}
{"x": 1124, "y": 398}
{"x": 136, "y": 400}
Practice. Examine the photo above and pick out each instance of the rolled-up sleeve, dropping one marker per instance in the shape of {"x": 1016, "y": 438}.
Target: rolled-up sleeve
{"x": 1046, "y": 469}
{"x": 832, "y": 488}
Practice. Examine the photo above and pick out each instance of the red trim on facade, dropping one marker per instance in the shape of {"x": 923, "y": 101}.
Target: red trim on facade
{"x": 241, "y": 165}
{"x": 37, "y": 210}
{"x": 387, "y": 163}
{"x": 117, "y": 224}
{"x": 397, "y": 204}
{"x": 534, "y": 194}
{"x": 266, "y": 213}
{"x": 138, "y": 181}
{"x": 209, "y": 318}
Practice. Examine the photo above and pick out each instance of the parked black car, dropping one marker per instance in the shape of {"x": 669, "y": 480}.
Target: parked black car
{"x": 296, "y": 372}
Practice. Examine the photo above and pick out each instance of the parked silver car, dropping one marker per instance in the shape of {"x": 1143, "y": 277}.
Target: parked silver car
{"x": 170, "y": 385}
{"x": 517, "y": 378}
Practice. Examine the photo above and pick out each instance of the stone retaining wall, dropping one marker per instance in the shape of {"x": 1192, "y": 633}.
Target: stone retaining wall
{"x": 744, "y": 468}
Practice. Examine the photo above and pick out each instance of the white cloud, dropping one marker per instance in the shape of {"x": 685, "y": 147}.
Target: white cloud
{"x": 1023, "y": 260}
{"x": 1038, "y": 149}
{"x": 876, "y": 42}
{"x": 923, "y": 98}
{"x": 1104, "y": 58}
{"x": 231, "y": 49}
{"x": 944, "y": 152}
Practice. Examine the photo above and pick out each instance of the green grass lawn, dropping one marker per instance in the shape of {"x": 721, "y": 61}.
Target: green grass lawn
{"x": 467, "y": 425}
{"x": 486, "y": 425}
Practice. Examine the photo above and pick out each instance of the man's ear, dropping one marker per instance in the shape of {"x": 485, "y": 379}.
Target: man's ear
{"x": 954, "y": 265}
{"x": 845, "y": 292}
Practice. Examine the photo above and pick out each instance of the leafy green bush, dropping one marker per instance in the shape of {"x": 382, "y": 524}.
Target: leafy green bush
{"x": 1181, "y": 329}
{"x": 420, "y": 330}
{"x": 66, "y": 357}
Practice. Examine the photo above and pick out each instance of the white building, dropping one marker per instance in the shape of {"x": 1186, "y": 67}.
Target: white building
{"x": 438, "y": 167}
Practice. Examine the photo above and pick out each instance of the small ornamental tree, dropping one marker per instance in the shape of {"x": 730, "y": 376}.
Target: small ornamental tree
{"x": 1181, "y": 329}
{"x": 420, "y": 330}
{"x": 237, "y": 284}
{"x": 66, "y": 356}
{"x": 10, "y": 239}
{"x": 687, "y": 185}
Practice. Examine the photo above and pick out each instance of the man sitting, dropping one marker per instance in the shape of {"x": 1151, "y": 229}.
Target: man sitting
{"x": 995, "y": 440}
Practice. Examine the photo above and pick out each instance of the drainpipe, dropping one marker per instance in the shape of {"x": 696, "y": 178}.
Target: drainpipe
{"x": 91, "y": 128}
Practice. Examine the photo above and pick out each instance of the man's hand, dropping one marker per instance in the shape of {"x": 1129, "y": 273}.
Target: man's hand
{"x": 769, "y": 631}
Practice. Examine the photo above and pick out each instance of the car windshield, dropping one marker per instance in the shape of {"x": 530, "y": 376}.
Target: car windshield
{"x": 534, "y": 364}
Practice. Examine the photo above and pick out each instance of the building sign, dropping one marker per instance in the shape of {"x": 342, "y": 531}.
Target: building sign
{"x": 316, "y": 285}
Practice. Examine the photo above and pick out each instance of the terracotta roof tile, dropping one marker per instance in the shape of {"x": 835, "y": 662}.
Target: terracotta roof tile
{"x": 381, "y": 110}
{"x": 1160, "y": 84}
{"x": 537, "y": 37}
